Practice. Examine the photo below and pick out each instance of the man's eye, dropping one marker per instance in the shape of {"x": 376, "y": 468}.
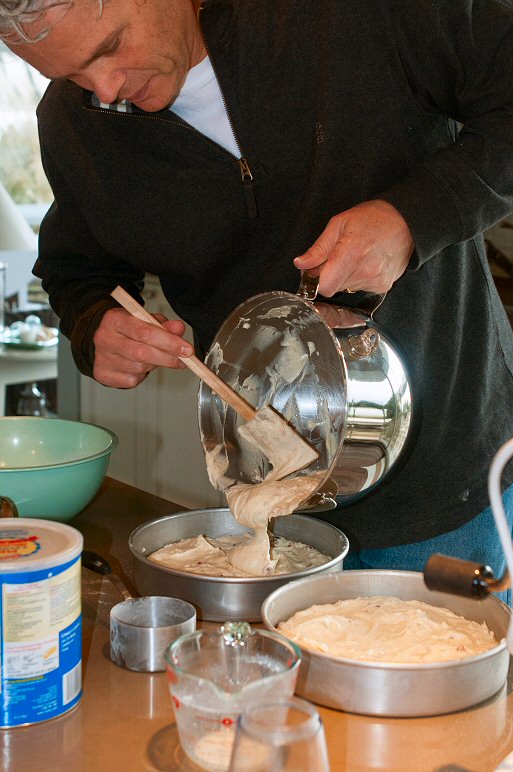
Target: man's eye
{"x": 113, "y": 48}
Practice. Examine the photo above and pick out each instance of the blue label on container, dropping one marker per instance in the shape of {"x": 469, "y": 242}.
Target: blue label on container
{"x": 41, "y": 644}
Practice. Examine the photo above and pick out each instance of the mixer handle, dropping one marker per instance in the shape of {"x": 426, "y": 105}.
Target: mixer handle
{"x": 370, "y": 303}
{"x": 309, "y": 287}
{"x": 462, "y": 577}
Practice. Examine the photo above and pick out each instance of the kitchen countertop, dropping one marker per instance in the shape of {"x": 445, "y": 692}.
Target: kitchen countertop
{"x": 124, "y": 721}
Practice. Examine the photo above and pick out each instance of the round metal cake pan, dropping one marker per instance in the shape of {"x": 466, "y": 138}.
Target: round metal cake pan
{"x": 393, "y": 689}
{"x": 221, "y": 599}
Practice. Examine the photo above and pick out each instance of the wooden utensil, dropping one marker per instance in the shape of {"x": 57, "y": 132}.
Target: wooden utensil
{"x": 285, "y": 448}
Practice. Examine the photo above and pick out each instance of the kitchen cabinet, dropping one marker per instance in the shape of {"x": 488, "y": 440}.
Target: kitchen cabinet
{"x": 159, "y": 446}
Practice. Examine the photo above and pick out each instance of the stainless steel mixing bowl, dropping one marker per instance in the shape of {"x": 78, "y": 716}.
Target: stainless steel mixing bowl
{"x": 218, "y": 598}
{"x": 392, "y": 689}
{"x": 331, "y": 372}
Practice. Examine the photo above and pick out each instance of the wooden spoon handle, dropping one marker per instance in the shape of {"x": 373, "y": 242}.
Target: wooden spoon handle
{"x": 221, "y": 388}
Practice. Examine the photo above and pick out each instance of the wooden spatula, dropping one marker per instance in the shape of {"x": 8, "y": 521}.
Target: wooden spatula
{"x": 285, "y": 448}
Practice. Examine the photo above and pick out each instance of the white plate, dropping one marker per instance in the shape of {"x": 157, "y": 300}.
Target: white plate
{"x": 9, "y": 340}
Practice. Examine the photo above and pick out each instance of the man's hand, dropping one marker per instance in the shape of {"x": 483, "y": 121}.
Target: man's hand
{"x": 127, "y": 349}
{"x": 367, "y": 247}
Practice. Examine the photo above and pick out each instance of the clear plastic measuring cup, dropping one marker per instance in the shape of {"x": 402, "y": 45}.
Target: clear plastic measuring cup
{"x": 213, "y": 675}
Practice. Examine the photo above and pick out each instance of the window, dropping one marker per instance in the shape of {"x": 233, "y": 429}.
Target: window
{"x": 21, "y": 171}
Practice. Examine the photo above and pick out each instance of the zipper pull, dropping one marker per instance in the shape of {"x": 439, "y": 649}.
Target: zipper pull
{"x": 247, "y": 179}
{"x": 245, "y": 171}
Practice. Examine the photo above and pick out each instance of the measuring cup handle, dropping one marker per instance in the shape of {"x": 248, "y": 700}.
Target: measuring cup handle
{"x": 309, "y": 287}
{"x": 100, "y": 565}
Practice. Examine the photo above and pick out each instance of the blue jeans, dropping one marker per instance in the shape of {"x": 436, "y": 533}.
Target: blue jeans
{"x": 477, "y": 541}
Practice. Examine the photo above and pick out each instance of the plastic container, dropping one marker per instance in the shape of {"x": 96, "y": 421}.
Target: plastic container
{"x": 41, "y": 620}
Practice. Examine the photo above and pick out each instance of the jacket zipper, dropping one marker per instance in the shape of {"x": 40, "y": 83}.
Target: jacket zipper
{"x": 242, "y": 162}
{"x": 245, "y": 170}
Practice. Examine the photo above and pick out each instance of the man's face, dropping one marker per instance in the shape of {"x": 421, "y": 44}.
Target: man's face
{"x": 140, "y": 50}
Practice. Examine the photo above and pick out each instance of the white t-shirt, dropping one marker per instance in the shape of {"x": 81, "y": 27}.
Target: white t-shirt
{"x": 200, "y": 103}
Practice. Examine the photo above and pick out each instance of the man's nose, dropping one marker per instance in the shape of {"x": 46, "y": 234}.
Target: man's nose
{"x": 107, "y": 83}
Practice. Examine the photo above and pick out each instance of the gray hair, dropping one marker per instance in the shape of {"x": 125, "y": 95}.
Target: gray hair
{"x": 15, "y": 13}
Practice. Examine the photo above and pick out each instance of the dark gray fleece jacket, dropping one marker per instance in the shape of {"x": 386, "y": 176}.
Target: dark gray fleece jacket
{"x": 332, "y": 103}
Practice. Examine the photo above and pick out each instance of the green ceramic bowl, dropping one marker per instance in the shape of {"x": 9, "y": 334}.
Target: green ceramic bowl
{"x": 51, "y": 468}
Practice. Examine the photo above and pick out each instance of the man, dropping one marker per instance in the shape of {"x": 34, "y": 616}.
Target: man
{"x": 226, "y": 146}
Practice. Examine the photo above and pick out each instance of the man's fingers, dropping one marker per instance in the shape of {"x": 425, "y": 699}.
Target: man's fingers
{"x": 127, "y": 349}
{"x": 321, "y": 249}
{"x": 366, "y": 248}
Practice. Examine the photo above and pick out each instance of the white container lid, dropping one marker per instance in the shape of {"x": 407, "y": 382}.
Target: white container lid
{"x": 32, "y": 544}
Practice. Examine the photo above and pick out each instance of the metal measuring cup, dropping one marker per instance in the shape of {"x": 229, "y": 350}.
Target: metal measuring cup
{"x": 142, "y": 628}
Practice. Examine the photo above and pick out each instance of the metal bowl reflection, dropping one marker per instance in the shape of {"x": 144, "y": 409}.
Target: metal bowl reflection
{"x": 332, "y": 373}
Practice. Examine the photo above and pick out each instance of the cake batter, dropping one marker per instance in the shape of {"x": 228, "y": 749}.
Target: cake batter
{"x": 210, "y": 557}
{"x": 387, "y": 629}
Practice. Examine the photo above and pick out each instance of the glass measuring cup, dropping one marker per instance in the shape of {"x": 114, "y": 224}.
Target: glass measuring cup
{"x": 213, "y": 675}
